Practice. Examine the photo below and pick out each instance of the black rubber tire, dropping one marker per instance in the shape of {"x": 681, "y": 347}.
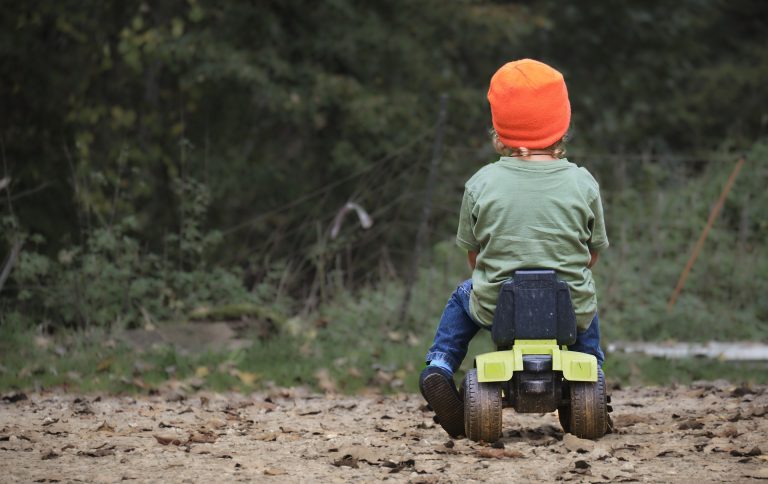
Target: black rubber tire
{"x": 588, "y": 416}
{"x": 482, "y": 409}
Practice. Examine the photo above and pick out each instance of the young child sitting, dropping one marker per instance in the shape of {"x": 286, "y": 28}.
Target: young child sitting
{"x": 530, "y": 209}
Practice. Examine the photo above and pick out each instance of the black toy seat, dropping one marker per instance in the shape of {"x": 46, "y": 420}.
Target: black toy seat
{"x": 534, "y": 304}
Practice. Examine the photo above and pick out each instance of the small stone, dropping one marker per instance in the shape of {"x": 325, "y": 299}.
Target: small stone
{"x": 628, "y": 467}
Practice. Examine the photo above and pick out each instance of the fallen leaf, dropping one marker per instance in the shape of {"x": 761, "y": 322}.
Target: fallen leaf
{"x": 354, "y": 372}
{"x": 165, "y": 439}
{"x": 729, "y": 431}
{"x": 216, "y": 423}
{"x": 755, "y": 451}
{"x": 346, "y": 461}
{"x": 104, "y": 427}
{"x": 274, "y": 471}
{"x": 266, "y": 436}
{"x": 247, "y": 378}
{"x": 734, "y": 417}
{"x": 14, "y": 397}
{"x": 202, "y": 437}
{"x": 491, "y": 453}
{"x": 74, "y": 376}
{"x": 178, "y": 395}
{"x": 104, "y": 365}
{"x": 691, "y": 425}
{"x": 395, "y": 336}
{"x": 49, "y": 421}
{"x": 742, "y": 390}
{"x": 100, "y": 452}
{"x": 361, "y": 452}
{"x": 81, "y": 407}
{"x": 138, "y": 383}
{"x": 263, "y": 405}
{"x": 669, "y": 453}
{"x": 399, "y": 466}
{"x": 50, "y": 454}
{"x": 310, "y": 412}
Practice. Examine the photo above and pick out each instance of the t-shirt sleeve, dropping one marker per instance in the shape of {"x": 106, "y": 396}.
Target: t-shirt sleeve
{"x": 465, "y": 235}
{"x": 599, "y": 239}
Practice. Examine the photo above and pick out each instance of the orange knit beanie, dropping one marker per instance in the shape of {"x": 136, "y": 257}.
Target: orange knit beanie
{"x": 529, "y": 104}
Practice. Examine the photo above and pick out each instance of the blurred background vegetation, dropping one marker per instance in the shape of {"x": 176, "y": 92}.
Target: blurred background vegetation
{"x": 184, "y": 162}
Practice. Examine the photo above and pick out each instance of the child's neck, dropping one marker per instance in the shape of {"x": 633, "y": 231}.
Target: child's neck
{"x": 538, "y": 157}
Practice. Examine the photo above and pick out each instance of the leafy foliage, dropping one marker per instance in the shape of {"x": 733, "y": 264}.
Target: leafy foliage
{"x": 167, "y": 157}
{"x": 111, "y": 281}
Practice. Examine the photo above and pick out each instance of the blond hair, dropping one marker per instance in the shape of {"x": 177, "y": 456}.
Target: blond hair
{"x": 557, "y": 149}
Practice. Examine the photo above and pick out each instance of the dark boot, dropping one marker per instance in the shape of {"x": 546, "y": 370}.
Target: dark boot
{"x": 440, "y": 392}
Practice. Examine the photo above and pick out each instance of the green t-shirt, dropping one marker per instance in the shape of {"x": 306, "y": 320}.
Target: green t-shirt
{"x": 529, "y": 214}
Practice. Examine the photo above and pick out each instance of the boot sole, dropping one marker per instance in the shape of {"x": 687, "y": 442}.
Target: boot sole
{"x": 443, "y": 400}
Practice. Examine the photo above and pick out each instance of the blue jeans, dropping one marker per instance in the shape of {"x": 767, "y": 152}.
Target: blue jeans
{"x": 457, "y": 328}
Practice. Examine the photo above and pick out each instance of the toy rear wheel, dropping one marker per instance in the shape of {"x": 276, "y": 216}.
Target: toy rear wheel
{"x": 587, "y": 415}
{"x": 482, "y": 409}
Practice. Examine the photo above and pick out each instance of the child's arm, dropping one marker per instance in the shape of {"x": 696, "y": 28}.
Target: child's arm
{"x": 472, "y": 257}
{"x": 465, "y": 236}
{"x": 598, "y": 240}
{"x": 592, "y": 259}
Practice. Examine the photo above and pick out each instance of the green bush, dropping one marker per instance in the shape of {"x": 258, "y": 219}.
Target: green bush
{"x": 111, "y": 280}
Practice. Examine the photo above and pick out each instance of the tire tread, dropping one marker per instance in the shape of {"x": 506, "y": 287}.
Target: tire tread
{"x": 482, "y": 409}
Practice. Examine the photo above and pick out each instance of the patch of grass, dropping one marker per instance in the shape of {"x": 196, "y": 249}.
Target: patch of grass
{"x": 352, "y": 365}
{"x": 77, "y": 361}
{"x": 354, "y": 343}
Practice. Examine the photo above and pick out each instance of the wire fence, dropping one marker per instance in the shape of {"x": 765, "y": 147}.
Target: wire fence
{"x": 653, "y": 212}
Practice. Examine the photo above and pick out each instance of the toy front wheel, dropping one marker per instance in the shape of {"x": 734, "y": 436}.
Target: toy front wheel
{"x": 482, "y": 409}
{"x": 587, "y": 415}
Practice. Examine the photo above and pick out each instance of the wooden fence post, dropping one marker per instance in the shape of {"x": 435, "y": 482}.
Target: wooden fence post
{"x": 700, "y": 243}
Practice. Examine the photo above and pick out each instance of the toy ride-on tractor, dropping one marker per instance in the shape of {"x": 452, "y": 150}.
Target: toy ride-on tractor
{"x": 533, "y": 371}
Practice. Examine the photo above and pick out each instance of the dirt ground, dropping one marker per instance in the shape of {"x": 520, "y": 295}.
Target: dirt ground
{"x": 708, "y": 432}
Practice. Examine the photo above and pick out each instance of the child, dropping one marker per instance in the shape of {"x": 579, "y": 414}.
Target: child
{"x": 530, "y": 209}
